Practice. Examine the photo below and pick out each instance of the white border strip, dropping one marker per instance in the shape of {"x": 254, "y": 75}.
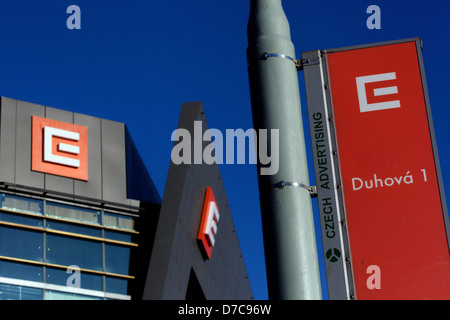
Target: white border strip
{"x": 47, "y": 286}
{"x": 333, "y": 176}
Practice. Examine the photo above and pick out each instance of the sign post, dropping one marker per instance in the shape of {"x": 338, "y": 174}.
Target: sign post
{"x": 381, "y": 199}
{"x": 292, "y": 265}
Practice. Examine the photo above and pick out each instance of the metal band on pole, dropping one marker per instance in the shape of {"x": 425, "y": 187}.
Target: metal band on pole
{"x": 312, "y": 189}
{"x": 298, "y": 63}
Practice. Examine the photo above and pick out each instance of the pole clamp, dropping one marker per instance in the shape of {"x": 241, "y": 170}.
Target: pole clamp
{"x": 281, "y": 184}
{"x": 297, "y": 62}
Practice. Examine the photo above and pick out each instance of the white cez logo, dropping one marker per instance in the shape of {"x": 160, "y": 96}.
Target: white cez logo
{"x": 49, "y": 156}
{"x": 211, "y": 225}
{"x": 362, "y": 96}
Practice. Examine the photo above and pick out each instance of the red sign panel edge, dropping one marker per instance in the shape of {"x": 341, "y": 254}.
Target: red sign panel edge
{"x": 419, "y": 47}
{"x": 327, "y": 100}
{"x": 360, "y": 276}
{"x": 342, "y": 98}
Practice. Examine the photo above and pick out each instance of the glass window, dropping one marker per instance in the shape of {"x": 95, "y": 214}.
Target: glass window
{"x": 21, "y": 219}
{"x": 72, "y": 213}
{"x": 87, "y": 280}
{"x": 10, "y": 269}
{"x": 12, "y": 292}
{"x": 22, "y": 244}
{"x": 21, "y": 204}
{"x": 116, "y": 285}
{"x": 117, "y": 259}
{"x": 118, "y": 221}
{"x": 56, "y": 225}
{"x": 58, "y": 295}
{"x": 70, "y": 251}
{"x": 119, "y": 236}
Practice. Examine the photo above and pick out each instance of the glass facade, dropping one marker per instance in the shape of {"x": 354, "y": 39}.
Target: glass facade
{"x": 40, "y": 239}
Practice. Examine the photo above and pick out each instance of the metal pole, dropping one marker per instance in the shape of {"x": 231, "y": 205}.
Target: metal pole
{"x": 286, "y": 209}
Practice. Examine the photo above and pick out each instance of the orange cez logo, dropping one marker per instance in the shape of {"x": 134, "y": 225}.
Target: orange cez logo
{"x": 59, "y": 148}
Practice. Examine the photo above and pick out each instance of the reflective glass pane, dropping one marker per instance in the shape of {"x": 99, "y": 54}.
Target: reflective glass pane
{"x": 116, "y": 285}
{"x": 12, "y": 292}
{"x": 71, "y": 251}
{"x": 22, "y": 244}
{"x": 21, "y": 271}
{"x": 21, "y": 219}
{"x": 72, "y": 213}
{"x": 56, "y": 225}
{"x": 87, "y": 280}
{"x": 118, "y": 221}
{"x": 117, "y": 259}
{"x": 119, "y": 236}
{"x": 58, "y": 295}
{"x": 23, "y": 204}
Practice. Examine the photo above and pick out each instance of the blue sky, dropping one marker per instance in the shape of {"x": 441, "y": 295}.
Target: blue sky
{"x": 137, "y": 61}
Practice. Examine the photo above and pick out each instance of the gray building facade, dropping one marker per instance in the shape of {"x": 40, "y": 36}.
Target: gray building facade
{"x": 178, "y": 268}
{"x": 80, "y": 217}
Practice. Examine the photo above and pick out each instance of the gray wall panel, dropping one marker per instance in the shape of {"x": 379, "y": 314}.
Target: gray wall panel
{"x": 134, "y": 203}
{"x": 114, "y": 162}
{"x": 24, "y": 175}
{"x": 8, "y": 140}
{"x": 53, "y": 182}
{"x": 107, "y": 154}
{"x": 175, "y": 248}
{"x": 93, "y": 187}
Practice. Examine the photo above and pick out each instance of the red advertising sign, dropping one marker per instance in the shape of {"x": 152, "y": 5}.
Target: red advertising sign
{"x": 396, "y": 221}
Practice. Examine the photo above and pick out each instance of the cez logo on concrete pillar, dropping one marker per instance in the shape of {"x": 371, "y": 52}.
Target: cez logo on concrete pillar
{"x": 59, "y": 148}
{"x": 208, "y": 225}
